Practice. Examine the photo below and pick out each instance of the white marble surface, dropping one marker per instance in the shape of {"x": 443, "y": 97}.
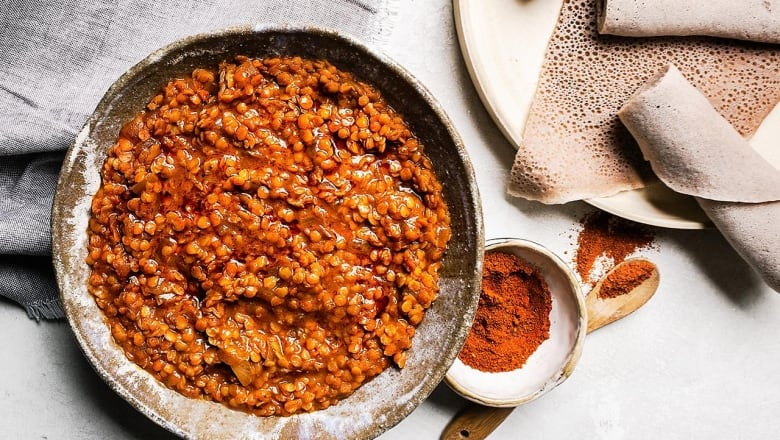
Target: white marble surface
{"x": 700, "y": 360}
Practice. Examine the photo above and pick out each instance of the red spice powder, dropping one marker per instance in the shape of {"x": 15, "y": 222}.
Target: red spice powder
{"x": 513, "y": 317}
{"x": 626, "y": 278}
{"x": 613, "y": 237}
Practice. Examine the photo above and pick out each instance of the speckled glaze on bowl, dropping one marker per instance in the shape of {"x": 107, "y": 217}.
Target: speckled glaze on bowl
{"x": 378, "y": 404}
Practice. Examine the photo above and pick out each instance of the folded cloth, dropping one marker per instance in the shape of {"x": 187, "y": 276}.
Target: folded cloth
{"x": 754, "y": 20}
{"x": 694, "y": 151}
{"x": 58, "y": 57}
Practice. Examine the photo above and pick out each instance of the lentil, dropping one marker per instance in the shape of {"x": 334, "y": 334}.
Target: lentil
{"x": 267, "y": 235}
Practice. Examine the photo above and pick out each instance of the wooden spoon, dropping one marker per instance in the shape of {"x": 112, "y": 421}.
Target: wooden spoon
{"x": 603, "y": 311}
{"x": 476, "y": 422}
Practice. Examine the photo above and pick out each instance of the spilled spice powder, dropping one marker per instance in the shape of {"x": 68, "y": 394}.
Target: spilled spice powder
{"x": 513, "y": 317}
{"x": 626, "y": 278}
{"x": 604, "y": 234}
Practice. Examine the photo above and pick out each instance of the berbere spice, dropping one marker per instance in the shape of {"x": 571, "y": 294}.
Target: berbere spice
{"x": 513, "y": 318}
{"x": 610, "y": 237}
{"x": 626, "y": 278}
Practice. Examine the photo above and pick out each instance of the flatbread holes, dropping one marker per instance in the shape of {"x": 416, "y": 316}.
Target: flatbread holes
{"x": 574, "y": 147}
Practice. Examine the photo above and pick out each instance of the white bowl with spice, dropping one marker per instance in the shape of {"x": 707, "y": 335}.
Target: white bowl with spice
{"x": 530, "y": 326}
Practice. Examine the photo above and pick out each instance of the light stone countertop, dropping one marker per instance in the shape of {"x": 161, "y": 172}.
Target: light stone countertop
{"x": 700, "y": 360}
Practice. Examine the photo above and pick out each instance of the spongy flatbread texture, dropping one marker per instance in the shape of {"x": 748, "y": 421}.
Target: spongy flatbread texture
{"x": 573, "y": 145}
{"x": 691, "y": 148}
{"x": 753, "y": 230}
{"x": 754, "y": 20}
{"x": 695, "y": 151}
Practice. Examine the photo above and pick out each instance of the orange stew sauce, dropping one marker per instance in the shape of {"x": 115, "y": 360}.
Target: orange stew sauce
{"x": 267, "y": 235}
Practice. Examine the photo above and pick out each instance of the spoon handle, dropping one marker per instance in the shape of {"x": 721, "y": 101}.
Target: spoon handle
{"x": 475, "y": 422}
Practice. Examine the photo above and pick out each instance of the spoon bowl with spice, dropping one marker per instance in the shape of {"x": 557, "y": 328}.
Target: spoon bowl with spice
{"x": 527, "y": 336}
{"x": 624, "y": 289}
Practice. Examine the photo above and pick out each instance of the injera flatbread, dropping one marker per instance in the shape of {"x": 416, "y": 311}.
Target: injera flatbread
{"x": 753, "y": 230}
{"x": 754, "y": 20}
{"x": 674, "y": 123}
{"x": 573, "y": 145}
{"x": 691, "y": 148}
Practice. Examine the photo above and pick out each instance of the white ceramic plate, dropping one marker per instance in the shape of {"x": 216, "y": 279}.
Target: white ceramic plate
{"x": 503, "y": 43}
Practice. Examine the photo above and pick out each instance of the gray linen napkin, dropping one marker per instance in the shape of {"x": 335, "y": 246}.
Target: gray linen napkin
{"x": 58, "y": 57}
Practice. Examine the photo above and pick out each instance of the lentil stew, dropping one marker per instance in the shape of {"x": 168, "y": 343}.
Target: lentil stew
{"x": 267, "y": 235}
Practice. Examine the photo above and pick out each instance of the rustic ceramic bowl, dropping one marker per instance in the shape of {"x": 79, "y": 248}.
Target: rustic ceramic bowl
{"x": 377, "y": 405}
{"x": 554, "y": 360}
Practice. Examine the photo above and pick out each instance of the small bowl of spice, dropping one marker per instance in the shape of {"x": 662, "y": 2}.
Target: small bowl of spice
{"x": 529, "y": 328}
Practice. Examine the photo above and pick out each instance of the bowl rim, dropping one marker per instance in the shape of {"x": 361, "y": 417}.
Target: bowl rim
{"x": 58, "y": 216}
{"x": 573, "y": 356}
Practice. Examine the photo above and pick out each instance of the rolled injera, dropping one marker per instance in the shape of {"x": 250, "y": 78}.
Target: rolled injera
{"x": 753, "y": 20}
{"x": 695, "y": 151}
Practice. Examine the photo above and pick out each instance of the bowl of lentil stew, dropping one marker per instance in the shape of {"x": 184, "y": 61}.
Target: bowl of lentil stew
{"x": 377, "y": 404}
